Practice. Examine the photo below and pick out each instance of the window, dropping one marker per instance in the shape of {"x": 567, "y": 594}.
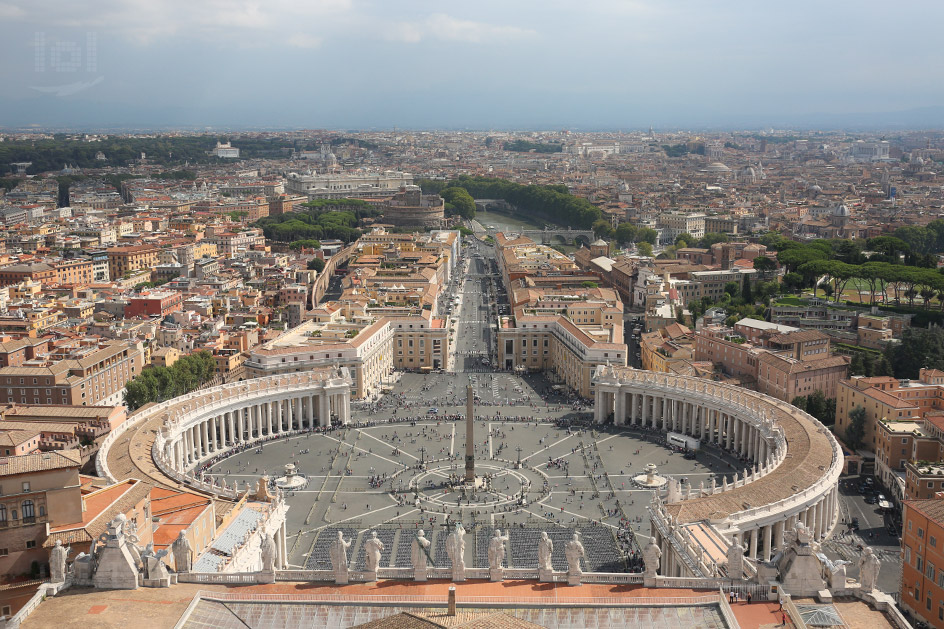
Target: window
{"x": 932, "y": 541}
{"x": 29, "y": 512}
{"x": 930, "y": 571}
{"x": 4, "y": 552}
{"x": 31, "y": 544}
{"x": 26, "y": 486}
{"x": 920, "y": 533}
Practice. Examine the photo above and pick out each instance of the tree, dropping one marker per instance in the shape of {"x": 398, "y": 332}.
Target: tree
{"x": 602, "y": 228}
{"x": 746, "y": 293}
{"x": 919, "y": 347}
{"x": 855, "y": 431}
{"x": 772, "y": 240}
{"x": 882, "y": 367}
{"x": 712, "y": 238}
{"x": 764, "y": 265}
{"x": 829, "y": 416}
{"x": 857, "y": 366}
{"x": 816, "y": 404}
{"x": 732, "y": 289}
{"x": 625, "y": 233}
{"x": 800, "y": 402}
{"x": 305, "y": 244}
{"x": 460, "y": 200}
{"x": 647, "y": 234}
{"x": 645, "y": 249}
{"x": 316, "y": 264}
{"x": 685, "y": 240}
{"x": 793, "y": 281}
{"x": 589, "y": 284}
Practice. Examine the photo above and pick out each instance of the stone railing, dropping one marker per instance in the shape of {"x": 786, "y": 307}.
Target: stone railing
{"x": 186, "y": 409}
{"x": 245, "y": 578}
{"x": 44, "y": 590}
{"x": 761, "y": 411}
{"x": 611, "y": 577}
{"x": 726, "y": 612}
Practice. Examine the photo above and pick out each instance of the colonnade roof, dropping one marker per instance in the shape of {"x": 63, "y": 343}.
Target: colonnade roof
{"x": 808, "y": 458}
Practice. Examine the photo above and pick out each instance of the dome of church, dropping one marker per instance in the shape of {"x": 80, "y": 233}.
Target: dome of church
{"x": 717, "y": 167}
{"x": 842, "y": 210}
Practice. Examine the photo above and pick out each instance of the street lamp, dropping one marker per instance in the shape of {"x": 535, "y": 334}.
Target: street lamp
{"x": 519, "y": 455}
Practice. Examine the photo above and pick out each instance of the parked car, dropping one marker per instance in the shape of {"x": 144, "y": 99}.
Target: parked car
{"x": 854, "y": 525}
{"x": 433, "y": 411}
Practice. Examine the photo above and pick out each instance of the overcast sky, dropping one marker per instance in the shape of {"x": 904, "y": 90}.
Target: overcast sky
{"x": 616, "y": 64}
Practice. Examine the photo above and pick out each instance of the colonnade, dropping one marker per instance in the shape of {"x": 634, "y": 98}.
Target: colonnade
{"x": 659, "y": 411}
{"x": 216, "y": 432}
{"x": 792, "y": 481}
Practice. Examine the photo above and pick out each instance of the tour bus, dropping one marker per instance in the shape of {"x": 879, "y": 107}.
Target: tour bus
{"x": 683, "y": 441}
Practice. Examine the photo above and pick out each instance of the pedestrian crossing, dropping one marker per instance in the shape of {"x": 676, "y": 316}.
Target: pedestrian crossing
{"x": 848, "y": 549}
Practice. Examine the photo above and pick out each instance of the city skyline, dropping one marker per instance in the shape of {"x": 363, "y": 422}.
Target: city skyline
{"x": 353, "y": 64}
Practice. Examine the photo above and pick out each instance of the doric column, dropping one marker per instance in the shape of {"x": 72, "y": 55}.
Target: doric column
{"x": 753, "y": 548}
{"x": 268, "y": 416}
{"x": 619, "y": 414}
{"x": 346, "y": 408}
{"x": 214, "y": 444}
{"x": 598, "y": 412}
{"x": 768, "y": 540}
{"x": 204, "y": 439}
{"x": 634, "y": 403}
{"x": 324, "y": 409}
{"x": 230, "y": 428}
{"x": 778, "y": 535}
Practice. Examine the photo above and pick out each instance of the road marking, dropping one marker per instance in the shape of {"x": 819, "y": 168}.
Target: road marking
{"x": 353, "y": 517}
{"x": 547, "y": 448}
{"x": 383, "y": 458}
{"x": 387, "y": 444}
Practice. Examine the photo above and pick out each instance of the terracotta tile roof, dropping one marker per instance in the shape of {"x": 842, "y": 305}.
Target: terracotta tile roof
{"x": 42, "y": 461}
{"x": 931, "y": 509}
{"x": 101, "y": 507}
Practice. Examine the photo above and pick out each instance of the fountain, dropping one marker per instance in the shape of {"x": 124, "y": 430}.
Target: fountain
{"x": 650, "y": 480}
{"x": 291, "y": 480}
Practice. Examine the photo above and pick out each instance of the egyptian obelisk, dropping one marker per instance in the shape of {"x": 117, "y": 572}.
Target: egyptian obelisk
{"x": 469, "y": 437}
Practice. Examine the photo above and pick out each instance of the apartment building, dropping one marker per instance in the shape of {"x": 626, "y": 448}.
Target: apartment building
{"x": 780, "y": 361}
{"x": 885, "y": 398}
{"x": 84, "y": 376}
{"x": 674, "y": 224}
{"x": 129, "y": 259}
{"x": 36, "y": 491}
{"x": 922, "y": 570}
{"x": 564, "y": 332}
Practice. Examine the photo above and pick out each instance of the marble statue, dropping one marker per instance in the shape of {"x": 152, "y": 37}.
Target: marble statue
{"x": 455, "y": 548}
{"x": 419, "y": 554}
{"x": 373, "y": 547}
{"x": 869, "y": 566}
{"x": 835, "y": 571}
{"x": 57, "y": 562}
{"x": 338, "y": 552}
{"x": 545, "y": 551}
{"x": 651, "y": 556}
{"x": 183, "y": 553}
{"x": 735, "y": 560}
{"x": 574, "y": 552}
{"x": 496, "y": 550}
{"x": 267, "y": 552}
